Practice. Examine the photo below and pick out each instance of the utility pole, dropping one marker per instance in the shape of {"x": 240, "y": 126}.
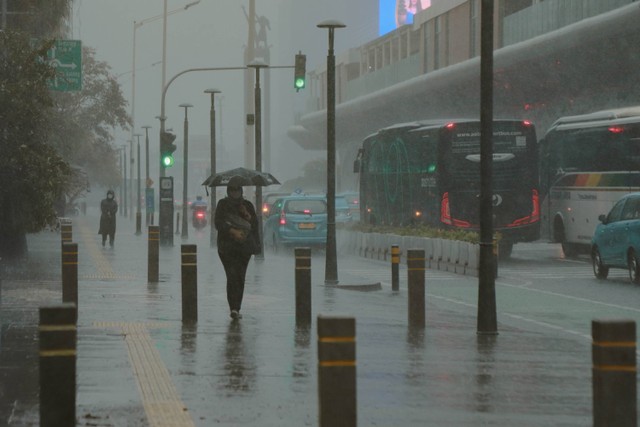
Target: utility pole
{"x": 249, "y": 56}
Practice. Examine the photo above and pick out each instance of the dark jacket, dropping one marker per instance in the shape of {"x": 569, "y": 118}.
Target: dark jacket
{"x": 108, "y": 207}
{"x": 227, "y": 213}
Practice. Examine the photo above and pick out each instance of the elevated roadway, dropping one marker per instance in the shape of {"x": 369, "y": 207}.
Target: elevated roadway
{"x": 589, "y": 65}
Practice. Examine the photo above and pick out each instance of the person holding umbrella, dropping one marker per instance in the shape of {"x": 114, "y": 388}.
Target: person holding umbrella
{"x": 238, "y": 239}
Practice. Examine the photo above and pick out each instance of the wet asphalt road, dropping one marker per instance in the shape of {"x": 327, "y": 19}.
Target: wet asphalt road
{"x": 138, "y": 365}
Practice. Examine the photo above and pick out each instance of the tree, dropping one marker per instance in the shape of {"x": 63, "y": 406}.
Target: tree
{"x": 84, "y": 122}
{"x": 33, "y": 174}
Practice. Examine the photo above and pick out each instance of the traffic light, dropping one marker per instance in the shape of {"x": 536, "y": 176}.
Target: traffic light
{"x": 167, "y": 147}
{"x": 300, "y": 72}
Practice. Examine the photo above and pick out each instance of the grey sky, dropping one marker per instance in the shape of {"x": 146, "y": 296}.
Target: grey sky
{"x": 214, "y": 34}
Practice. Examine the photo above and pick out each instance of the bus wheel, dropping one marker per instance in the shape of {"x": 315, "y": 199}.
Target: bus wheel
{"x": 599, "y": 270}
{"x": 634, "y": 267}
{"x": 569, "y": 249}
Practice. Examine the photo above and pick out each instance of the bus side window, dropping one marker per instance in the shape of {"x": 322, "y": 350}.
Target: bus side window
{"x": 634, "y": 153}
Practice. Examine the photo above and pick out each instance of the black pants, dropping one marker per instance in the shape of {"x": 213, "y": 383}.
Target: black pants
{"x": 104, "y": 238}
{"x": 235, "y": 266}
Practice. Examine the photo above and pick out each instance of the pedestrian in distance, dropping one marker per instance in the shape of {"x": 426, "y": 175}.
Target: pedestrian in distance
{"x": 238, "y": 239}
{"x": 108, "y": 209}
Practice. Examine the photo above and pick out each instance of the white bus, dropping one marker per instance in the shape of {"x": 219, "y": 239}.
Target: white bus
{"x": 587, "y": 163}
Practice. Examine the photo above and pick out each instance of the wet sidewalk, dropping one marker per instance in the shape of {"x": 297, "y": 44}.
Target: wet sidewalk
{"x": 139, "y": 366}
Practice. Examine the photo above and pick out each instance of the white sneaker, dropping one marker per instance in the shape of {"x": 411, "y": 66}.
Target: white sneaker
{"x": 235, "y": 314}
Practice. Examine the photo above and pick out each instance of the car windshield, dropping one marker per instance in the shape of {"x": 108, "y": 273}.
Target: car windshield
{"x": 352, "y": 199}
{"x": 341, "y": 203}
{"x": 306, "y": 206}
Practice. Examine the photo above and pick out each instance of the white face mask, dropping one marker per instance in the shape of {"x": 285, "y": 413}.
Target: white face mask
{"x": 109, "y": 196}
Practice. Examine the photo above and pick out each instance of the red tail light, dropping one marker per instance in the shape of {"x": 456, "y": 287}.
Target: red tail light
{"x": 535, "y": 212}
{"x": 200, "y": 214}
{"x": 283, "y": 218}
{"x": 445, "y": 214}
{"x": 616, "y": 129}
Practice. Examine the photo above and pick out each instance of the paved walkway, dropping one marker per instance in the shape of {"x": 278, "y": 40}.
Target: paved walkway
{"x": 139, "y": 366}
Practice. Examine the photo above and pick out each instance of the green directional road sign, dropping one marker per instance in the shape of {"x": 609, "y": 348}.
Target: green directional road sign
{"x": 66, "y": 57}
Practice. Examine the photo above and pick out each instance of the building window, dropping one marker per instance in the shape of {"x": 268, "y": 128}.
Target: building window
{"x": 436, "y": 43}
{"x": 473, "y": 27}
{"x": 427, "y": 48}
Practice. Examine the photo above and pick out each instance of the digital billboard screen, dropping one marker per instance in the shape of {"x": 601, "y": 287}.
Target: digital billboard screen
{"x": 396, "y": 13}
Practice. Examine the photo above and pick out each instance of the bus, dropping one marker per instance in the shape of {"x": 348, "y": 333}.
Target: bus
{"x": 429, "y": 173}
{"x": 587, "y": 163}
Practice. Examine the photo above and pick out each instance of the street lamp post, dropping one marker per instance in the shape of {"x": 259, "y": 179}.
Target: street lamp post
{"x": 138, "y": 24}
{"x": 131, "y": 161}
{"x": 147, "y": 178}
{"x": 185, "y": 174}
{"x": 122, "y": 180}
{"x": 487, "y": 322}
{"x": 257, "y": 65}
{"x": 124, "y": 151}
{"x": 138, "y": 206}
{"x": 331, "y": 263}
{"x": 212, "y": 121}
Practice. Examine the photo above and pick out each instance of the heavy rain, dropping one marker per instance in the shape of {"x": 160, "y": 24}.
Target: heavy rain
{"x": 319, "y": 213}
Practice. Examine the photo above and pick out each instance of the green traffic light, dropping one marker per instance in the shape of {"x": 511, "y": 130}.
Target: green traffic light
{"x": 299, "y": 83}
{"x": 167, "y": 161}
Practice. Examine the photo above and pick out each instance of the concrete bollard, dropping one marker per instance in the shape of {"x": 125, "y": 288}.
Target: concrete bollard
{"x": 614, "y": 373}
{"x": 177, "y": 223}
{"x": 70, "y": 273}
{"x": 189, "y": 283}
{"x": 153, "y": 262}
{"x": 303, "y": 286}
{"x": 57, "y": 335}
{"x": 395, "y": 267}
{"x": 416, "y": 285}
{"x": 337, "y": 371}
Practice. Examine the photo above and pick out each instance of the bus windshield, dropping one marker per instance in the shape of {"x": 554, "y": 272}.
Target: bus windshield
{"x": 513, "y": 145}
{"x": 595, "y": 149}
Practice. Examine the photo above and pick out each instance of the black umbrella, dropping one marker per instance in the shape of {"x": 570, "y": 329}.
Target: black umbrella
{"x": 240, "y": 177}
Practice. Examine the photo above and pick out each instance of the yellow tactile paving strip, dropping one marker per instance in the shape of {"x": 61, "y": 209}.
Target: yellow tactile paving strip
{"x": 161, "y": 401}
{"x": 103, "y": 266}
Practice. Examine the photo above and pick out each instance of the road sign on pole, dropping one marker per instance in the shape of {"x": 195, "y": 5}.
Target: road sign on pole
{"x": 66, "y": 57}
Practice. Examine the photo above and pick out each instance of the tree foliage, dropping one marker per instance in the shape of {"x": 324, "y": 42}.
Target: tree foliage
{"x": 84, "y": 121}
{"x": 33, "y": 173}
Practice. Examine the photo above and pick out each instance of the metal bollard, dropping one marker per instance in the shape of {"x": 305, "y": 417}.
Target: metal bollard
{"x": 153, "y": 263}
{"x": 138, "y": 223}
{"x": 337, "y": 371}
{"x": 177, "y": 223}
{"x": 58, "y": 333}
{"x": 496, "y": 256}
{"x": 415, "y": 276}
{"x": 303, "y": 286}
{"x": 70, "y": 273}
{"x": 66, "y": 232}
{"x": 189, "y": 283}
{"x": 395, "y": 270}
{"x": 613, "y": 354}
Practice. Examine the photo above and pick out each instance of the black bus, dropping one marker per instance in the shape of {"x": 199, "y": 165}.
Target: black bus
{"x": 429, "y": 173}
